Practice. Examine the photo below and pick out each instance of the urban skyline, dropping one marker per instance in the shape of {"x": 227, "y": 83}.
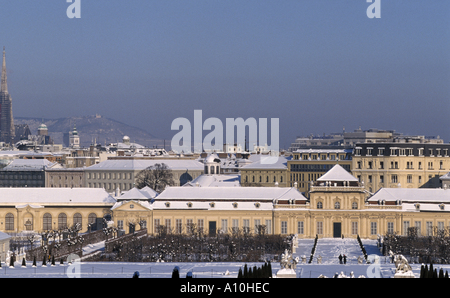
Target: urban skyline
{"x": 318, "y": 67}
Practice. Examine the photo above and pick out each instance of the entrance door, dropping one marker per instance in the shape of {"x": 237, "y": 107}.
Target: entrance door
{"x": 132, "y": 227}
{"x": 212, "y": 228}
{"x": 337, "y": 230}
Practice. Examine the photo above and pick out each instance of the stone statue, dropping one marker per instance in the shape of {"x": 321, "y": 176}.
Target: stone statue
{"x": 402, "y": 267}
{"x": 287, "y": 261}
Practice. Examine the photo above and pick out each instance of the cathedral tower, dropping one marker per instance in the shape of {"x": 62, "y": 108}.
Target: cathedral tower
{"x": 7, "y": 131}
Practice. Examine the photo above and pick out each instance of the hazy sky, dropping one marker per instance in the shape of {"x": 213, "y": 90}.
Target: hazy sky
{"x": 316, "y": 65}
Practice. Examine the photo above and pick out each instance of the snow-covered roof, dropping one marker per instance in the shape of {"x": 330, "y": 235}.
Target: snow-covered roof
{"x": 141, "y": 164}
{"x": 337, "y": 173}
{"x": 412, "y": 195}
{"x": 204, "y": 205}
{"x": 215, "y": 180}
{"x": 38, "y": 197}
{"x": 230, "y": 193}
{"x": 445, "y": 177}
{"x": 261, "y": 162}
{"x": 145, "y": 193}
{"x": 29, "y": 164}
{"x": 4, "y": 236}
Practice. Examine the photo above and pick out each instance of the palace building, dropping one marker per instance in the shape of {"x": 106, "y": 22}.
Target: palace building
{"x": 338, "y": 206}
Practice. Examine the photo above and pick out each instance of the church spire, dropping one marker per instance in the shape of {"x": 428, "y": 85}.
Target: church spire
{"x": 4, "y": 85}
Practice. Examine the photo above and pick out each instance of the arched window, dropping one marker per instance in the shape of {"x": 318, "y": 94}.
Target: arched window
{"x": 281, "y": 179}
{"x": 62, "y": 221}
{"x": 77, "y": 219}
{"x": 47, "y": 222}
{"x": 319, "y": 205}
{"x": 92, "y": 220}
{"x": 9, "y": 222}
{"x": 337, "y": 205}
{"x": 206, "y": 170}
{"x": 212, "y": 170}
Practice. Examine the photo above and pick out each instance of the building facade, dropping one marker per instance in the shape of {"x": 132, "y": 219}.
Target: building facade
{"x": 412, "y": 165}
{"x": 44, "y": 209}
{"x": 307, "y": 165}
{"x": 121, "y": 172}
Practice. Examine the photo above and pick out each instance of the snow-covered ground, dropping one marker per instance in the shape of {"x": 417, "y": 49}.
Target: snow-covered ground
{"x": 329, "y": 249}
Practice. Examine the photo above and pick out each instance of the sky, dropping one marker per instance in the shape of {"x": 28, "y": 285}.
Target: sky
{"x": 317, "y": 66}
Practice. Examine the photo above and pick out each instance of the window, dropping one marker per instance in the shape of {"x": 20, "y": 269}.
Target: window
{"x": 284, "y": 227}
{"x": 168, "y": 224}
{"x": 405, "y": 228}
{"x": 319, "y": 227}
{"x": 246, "y": 227}
{"x": 394, "y": 179}
{"x": 354, "y": 205}
{"x": 429, "y": 225}
{"x": 390, "y": 227}
{"x": 337, "y": 205}
{"x": 156, "y": 225}
{"x": 409, "y": 178}
{"x": 9, "y": 222}
{"x": 47, "y": 222}
{"x": 120, "y": 224}
{"x": 319, "y": 205}
{"x": 268, "y": 226}
{"x": 354, "y": 228}
{"x": 77, "y": 219}
{"x": 418, "y": 226}
{"x": 189, "y": 226}
{"x": 370, "y": 165}
{"x": 373, "y": 228}
{"x": 381, "y": 164}
{"x": 440, "y": 226}
{"x": 224, "y": 228}
{"x": 62, "y": 221}
{"x": 381, "y": 179}
{"x": 300, "y": 227}
{"x": 200, "y": 225}
{"x": 235, "y": 225}
{"x": 178, "y": 226}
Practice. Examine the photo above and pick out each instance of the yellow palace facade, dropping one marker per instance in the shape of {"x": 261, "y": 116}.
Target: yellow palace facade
{"x": 338, "y": 206}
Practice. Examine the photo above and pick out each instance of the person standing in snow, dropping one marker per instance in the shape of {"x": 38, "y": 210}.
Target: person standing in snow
{"x": 345, "y": 259}
{"x": 340, "y": 259}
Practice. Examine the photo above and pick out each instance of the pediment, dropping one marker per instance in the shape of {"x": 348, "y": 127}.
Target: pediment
{"x": 133, "y": 206}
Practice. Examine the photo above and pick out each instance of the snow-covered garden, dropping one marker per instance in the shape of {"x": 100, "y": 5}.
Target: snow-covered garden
{"x": 325, "y": 263}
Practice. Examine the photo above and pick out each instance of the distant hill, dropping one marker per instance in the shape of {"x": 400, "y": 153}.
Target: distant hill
{"x": 92, "y": 128}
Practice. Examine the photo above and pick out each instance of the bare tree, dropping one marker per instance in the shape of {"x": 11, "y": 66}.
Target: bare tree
{"x": 157, "y": 177}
